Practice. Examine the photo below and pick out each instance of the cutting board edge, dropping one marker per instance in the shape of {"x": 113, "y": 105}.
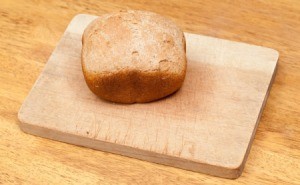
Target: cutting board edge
{"x": 259, "y": 116}
{"x": 147, "y": 156}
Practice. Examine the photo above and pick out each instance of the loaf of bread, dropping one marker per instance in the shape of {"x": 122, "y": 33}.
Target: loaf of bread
{"x": 133, "y": 56}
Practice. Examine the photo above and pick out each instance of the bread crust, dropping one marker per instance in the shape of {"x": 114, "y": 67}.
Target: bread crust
{"x": 133, "y": 74}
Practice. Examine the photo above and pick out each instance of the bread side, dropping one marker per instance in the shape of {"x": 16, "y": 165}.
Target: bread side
{"x": 133, "y": 86}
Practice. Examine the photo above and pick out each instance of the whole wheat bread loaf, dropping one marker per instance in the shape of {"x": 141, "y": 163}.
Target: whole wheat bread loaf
{"x": 133, "y": 56}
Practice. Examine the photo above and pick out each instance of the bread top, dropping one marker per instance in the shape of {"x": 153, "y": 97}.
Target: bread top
{"x": 133, "y": 41}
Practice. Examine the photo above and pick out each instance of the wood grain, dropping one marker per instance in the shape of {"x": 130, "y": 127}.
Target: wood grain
{"x": 208, "y": 126}
{"x": 30, "y": 31}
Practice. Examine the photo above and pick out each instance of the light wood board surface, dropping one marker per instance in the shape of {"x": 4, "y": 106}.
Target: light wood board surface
{"x": 207, "y": 126}
{"x": 29, "y": 33}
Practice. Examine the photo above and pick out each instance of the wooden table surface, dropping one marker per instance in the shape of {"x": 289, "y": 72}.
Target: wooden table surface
{"x": 30, "y": 30}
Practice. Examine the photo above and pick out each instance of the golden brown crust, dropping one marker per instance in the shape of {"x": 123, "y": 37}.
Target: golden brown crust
{"x": 140, "y": 77}
{"x": 131, "y": 87}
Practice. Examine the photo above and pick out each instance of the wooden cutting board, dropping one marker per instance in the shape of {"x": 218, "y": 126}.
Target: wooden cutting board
{"x": 207, "y": 126}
